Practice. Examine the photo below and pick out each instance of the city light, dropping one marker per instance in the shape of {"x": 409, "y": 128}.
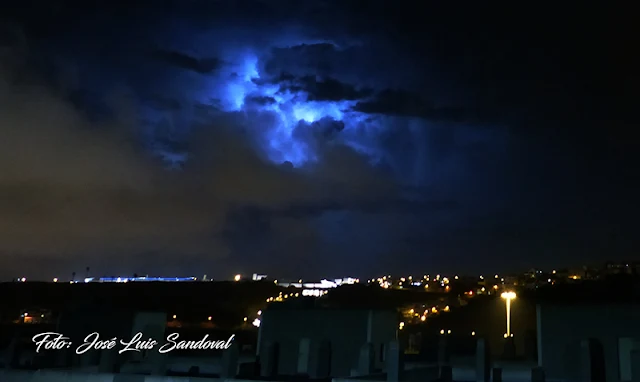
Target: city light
{"x": 237, "y": 278}
{"x": 55, "y": 279}
{"x": 256, "y": 323}
{"x": 144, "y": 278}
{"x": 209, "y": 318}
{"x": 174, "y": 316}
{"x": 508, "y": 296}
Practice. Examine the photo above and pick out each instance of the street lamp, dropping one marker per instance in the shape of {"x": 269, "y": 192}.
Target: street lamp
{"x": 508, "y": 296}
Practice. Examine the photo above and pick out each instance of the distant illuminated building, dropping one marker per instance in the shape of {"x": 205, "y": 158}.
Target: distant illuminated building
{"x": 313, "y": 292}
{"x": 257, "y": 277}
{"x": 323, "y": 284}
{"x": 128, "y": 279}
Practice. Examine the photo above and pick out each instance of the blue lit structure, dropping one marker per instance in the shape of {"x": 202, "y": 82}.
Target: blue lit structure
{"x": 130, "y": 279}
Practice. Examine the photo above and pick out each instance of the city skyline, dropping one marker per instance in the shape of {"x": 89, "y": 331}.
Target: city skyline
{"x": 613, "y": 267}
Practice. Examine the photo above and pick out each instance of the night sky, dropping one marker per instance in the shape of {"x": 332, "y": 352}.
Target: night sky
{"x": 315, "y": 138}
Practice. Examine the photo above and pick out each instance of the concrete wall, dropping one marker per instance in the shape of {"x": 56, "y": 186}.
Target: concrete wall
{"x": 347, "y": 330}
{"x": 561, "y": 328}
{"x": 62, "y": 376}
{"x": 382, "y": 329}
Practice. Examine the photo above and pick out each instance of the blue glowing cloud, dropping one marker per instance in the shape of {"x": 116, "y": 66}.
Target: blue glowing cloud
{"x": 293, "y": 111}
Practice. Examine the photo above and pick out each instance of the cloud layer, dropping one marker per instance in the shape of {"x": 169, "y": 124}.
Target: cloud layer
{"x": 289, "y": 141}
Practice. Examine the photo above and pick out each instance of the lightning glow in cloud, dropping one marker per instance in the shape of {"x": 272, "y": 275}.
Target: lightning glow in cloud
{"x": 291, "y": 108}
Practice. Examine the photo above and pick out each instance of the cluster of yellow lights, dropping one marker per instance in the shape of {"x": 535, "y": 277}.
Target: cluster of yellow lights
{"x": 423, "y": 316}
{"x": 442, "y": 331}
{"x": 386, "y": 282}
{"x": 281, "y": 297}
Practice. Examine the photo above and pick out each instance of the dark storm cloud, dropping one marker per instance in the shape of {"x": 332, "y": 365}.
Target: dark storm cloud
{"x": 327, "y": 89}
{"x": 313, "y": 57}
{"x": 367, "y": 65}
{"x": 70, "y": 187}
{"x": 184, "y": 61}
{"x": 260, "y": 100}
{"x": 424, "y": 184}
{"x": 162, "y": 103}
{"x": 410, "y": 104}
{"x": 372, "y": 207}
{"x": 325, "y": 128}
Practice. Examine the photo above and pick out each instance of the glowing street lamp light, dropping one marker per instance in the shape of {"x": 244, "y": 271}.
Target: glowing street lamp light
{"x": 508, "y": 296}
